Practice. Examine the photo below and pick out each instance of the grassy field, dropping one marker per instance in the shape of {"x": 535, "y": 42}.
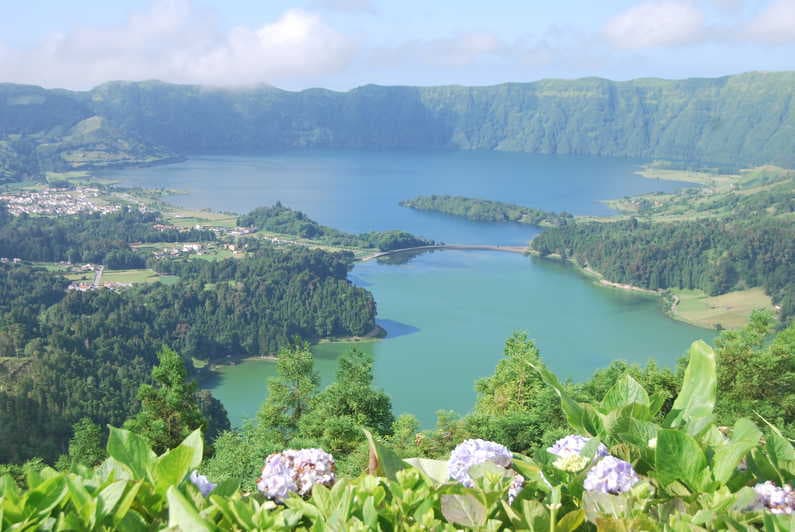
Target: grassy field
{"x": 688, "y": 176}
{"x": 130, "y": 276}
{"x": 730, "y": 311}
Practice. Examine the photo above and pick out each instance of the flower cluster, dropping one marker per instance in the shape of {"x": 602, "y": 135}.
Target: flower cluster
{"x": 202, "y": 483}
{"x": 573, "y": 445}
{"x": 295, "y": 471}
{"x": 611, "y": 475}
{"x": 777, "y": 500}
{"x": 473, "y": 452}
{"x": 568, "y": 451}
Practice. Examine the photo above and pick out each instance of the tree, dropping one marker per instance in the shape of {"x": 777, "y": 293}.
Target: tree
{"x": 169, "y": 408}
{"x": 290, "y": 393}
{"x": 340, "y": 411}
{"x": 86, "y": 447}
{"x": 514, "y": 406}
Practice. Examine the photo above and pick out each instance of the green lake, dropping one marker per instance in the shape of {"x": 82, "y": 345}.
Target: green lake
{"x": 447, "y": 313}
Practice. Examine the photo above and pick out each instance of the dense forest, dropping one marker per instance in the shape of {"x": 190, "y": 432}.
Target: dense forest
{"x": 72, "y": 355}
{"x": 93, "y": 238}
{"x": 487, "y": 211}
{"x": 281, "y": 219}
{"x": 715, "y": 255}
{"x": 733, "y": 121}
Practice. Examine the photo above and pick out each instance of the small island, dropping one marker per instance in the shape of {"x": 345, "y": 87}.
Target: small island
{"x": 487, "y": 210}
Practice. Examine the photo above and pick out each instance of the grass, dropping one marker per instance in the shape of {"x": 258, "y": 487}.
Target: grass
{"x": 730, "y": 311}
{"x": 189, "y": 218}
{"x": 130, "y": 276}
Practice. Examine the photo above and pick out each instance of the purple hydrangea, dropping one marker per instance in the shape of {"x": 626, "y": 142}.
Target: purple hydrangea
{"x": 295, "y": 471}
{"x": 469, "y": 453}
{"x": 202, "y": 483}
{"x": 573, "y": 445}
{"x": 776, "y": 500}
{"x": 611, "y": 475}
{"x": 516, "y": 486}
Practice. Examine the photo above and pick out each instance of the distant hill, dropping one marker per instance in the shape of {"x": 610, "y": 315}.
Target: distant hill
{"x": 729, "y": 122}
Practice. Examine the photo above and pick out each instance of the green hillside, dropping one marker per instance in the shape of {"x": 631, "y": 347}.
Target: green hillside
{"x": 729, "y": 122}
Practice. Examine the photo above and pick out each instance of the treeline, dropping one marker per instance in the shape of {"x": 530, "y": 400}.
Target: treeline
{"x": 86, "y": 353}
{"x": 487, "y": 210}
{"x": 88, "y": 237}
{"x": 281, "y": 219}
{"x": 714, "y": 255}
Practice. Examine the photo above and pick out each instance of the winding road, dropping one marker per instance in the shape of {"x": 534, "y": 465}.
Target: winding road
{"x": 466, "y": 247}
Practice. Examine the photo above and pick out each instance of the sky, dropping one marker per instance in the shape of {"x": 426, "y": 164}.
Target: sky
{"x": 341, "y": 44}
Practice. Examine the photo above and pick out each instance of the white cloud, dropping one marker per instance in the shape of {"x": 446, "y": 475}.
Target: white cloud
{"x": 775, "y": 24}
{"x": 653, "y": 24}
{"x": 350, "y": 6}
{"x": 173, "y": 41}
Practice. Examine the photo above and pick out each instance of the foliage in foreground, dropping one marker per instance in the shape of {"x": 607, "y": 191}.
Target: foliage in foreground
{"x": 683, "y": 473}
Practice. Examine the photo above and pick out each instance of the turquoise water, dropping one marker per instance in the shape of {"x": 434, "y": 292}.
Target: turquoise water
{"x": 447, "y": 313}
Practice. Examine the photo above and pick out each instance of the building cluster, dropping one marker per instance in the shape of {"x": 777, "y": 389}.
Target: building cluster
{"x": 56, "y": 202}
{"x": 178, "y": 251}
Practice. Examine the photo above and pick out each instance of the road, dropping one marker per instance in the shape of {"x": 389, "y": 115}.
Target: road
{"x": 466, "y": 247}
{"x": 98, "y": 276}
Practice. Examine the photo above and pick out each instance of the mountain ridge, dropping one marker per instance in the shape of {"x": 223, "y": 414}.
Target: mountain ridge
{"x": 726, "y": 122}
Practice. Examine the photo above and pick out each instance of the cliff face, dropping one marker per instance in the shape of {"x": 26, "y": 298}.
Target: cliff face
{"x": 733, "y": 121}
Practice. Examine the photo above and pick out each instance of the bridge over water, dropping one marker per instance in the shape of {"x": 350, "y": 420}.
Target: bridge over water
{"x": 466, "y": 247}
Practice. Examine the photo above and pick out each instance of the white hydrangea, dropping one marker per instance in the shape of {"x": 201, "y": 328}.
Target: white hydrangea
{"x": 295, "y": 471}
{"x": 202, "y": 483}
{"x": 469, "y": 453}
{"x": 776, "y": 500}
{"x": 572, "y": 445}
{"x": 611, "y": 475}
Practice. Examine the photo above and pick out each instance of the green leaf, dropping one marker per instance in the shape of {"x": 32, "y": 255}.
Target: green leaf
{"x": 131, "y": 450}
{"x": 463, "y": 509}
{"x": 678, "y": 456}
{"x": 745, "y": 436}
{"x": 126, "y": 502}
{"x": 171, "y": 468}
{"x": 109, "y": 498}
{"x": 532, "y": 473}
{"x": 383, "y": 460}
{"x": 624, "y": 392}
{"x": 571, "y": 521}
{"x": 782, "y": 456}
{"x": 694, "y": 405}
{"x": 195, "y": 443}
{"x": 599, "y": 505}
{"x": 488, "y": 468}
{"x": 535, "y": 515}
{"x": 433, "y": 470}
{"x": 575, "y": 412}
{"x": 84, "y": 503}
{"x": 47, "y": 495}
{"x": 181, "y": 513}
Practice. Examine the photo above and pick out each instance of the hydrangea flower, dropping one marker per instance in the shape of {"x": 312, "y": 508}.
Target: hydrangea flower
{"x": 777, "y": 500}
{"x": 202, "y": 483}
{"x": 611, "y": 475}
{"x": 295, "y": 471}
{"x": 573, "y": 445}
{"x": 469, "y": 453}
{"x": 571, "y": 462}
{"x": 516, "y": 486}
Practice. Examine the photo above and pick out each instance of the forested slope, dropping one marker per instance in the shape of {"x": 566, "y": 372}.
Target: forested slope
{"x": 733, "y": 121}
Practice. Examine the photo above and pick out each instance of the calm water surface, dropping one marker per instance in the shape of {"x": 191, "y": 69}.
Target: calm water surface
{"x": 447, "y": 313}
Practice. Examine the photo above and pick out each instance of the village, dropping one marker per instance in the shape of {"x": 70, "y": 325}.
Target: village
{"x": 57, "y": 201}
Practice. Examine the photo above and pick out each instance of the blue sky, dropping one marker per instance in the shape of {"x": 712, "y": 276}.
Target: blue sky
{"x": 345, "y": 43}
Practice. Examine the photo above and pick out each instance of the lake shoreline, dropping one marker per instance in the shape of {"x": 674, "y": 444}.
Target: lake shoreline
{"x": 376, "y": 333}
